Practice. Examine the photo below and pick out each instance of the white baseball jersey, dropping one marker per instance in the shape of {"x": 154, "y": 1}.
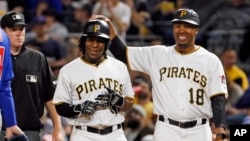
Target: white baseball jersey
{"x": 79, "y": 81}
{"x": 182, "y": 83}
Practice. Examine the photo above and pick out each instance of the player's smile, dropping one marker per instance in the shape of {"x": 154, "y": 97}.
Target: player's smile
{"x": 184, "y": 33}
{"x": 182, "y": 38}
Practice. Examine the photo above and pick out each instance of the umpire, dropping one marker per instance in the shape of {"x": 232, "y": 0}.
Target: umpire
{"x": 33, "y": 84}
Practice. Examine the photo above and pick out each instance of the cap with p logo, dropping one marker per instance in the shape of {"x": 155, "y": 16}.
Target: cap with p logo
{"x": 186, "y": 15}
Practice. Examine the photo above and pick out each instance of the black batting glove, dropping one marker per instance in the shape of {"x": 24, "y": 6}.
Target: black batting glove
{"x": 111, "y": 98}
{"x": 87, "y": 108}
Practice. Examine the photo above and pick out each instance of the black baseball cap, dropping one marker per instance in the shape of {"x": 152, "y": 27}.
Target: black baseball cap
{"x": 12, "y": 18}
{"x": 186, "y": 15}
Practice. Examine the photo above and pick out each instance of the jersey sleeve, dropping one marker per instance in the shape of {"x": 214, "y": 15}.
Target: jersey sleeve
{"x": 6, "y": 74}
{"x": 140, "y": 58}
{"x": 218, "y": 82}
{"x": 128, "y": 89}
{"x": 63, "y": 91}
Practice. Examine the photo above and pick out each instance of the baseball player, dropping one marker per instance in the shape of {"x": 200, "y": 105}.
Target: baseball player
{"x": 189, "y": 85}
{"x": 94, "y": 90}
{"x": 6, "y": 99}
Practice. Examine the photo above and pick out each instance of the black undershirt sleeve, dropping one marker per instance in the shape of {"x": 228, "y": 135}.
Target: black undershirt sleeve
{"x": 118, "y": 49}
{"x": 67, "y": 110}
{"x": 218, "y": 107}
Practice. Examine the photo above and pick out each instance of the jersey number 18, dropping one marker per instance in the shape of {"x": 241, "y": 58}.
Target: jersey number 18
{"x": 196, "y": 96}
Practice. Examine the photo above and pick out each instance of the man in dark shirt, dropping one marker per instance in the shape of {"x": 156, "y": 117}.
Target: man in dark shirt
{"x": 34, "y": 83}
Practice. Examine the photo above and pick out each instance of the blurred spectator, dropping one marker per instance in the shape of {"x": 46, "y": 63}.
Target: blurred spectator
{"x": 243, "y": 104}
{"x": 53, "y": 50}
{"x": 234, "y": 14}
{"x": 54, "y": 4}
{"x": 164, "y": 11}
{"x": 136, "y": 126}
{"x": 67, "y": 12}
{"x": 244, "y": 101}
{"x": 56, "y": 29}
{"x": 244, "y": 50}
{"x": 30, "y": 6}
{"x": 82, "y": 13}
{"x": 3, "y": 7}
{"x": 117, "y": 11}
{"x": 37, "y": 12}
{"x": 11, "y": 5}
{"x": 143, "y": 96}
{"x": 156, "y": 41}
{"x": 72, "y": 49}
{"x": 141, "y": 21}
{"x": 205, "y": 8}
{"x": 233, "y": 72}
{"x": 18, "y": 9}
{"x": 234, "y": 93}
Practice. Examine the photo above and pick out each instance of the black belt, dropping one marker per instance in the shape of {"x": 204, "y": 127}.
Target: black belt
{"x": 188, "y": 124}
{"x": 103, "y": 131}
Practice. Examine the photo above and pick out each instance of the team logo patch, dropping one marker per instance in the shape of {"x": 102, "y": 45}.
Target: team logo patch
{"x": 16, "y": 17}
{"x": 223, "y": 79}
{"x": 31, "y": 78}
{"x": 1, "y": 60}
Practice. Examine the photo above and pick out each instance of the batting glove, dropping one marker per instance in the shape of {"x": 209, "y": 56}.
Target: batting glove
{"x": 87, "y": 107}
{"x": 111, "y": 98}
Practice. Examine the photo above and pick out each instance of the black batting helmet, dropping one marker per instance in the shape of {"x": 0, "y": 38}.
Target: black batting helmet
{"x": 97, "y": 28}
{"x": 186, "y": 15}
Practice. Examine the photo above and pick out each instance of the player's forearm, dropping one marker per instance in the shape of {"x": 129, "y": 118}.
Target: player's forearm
{"x": 7, "y": 105}
{"x": 128, "y": 103}
{"x": 218, "y": 107}
{"x": 66, "y": 110}
{"x": 56, "y": 120}
{"x": 118, "y": 49}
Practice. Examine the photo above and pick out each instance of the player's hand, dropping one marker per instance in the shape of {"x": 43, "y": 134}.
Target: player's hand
{"x": 111, "y": 98}
{"x": 12, "y": 131}
{"x": 22, "y": 137}
{"x": 220, "y": 137}
{"x": 57, "y": 134}
{"x": 220, "y": 134}
{"x": 86, "y": 108}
